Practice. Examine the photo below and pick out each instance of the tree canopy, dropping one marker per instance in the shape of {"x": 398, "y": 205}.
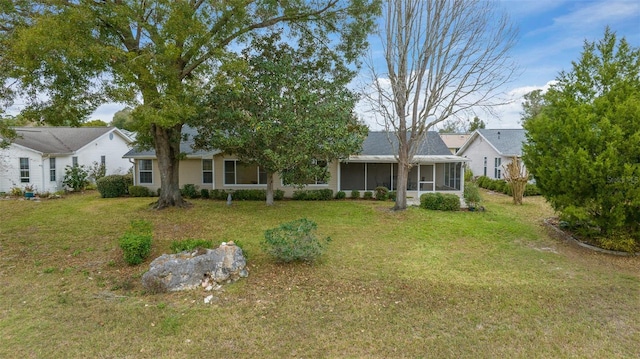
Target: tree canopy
{"x": 288, "y": 111}
{"x": 584, "y": 144}
{"x": 159, "y": 57}
{"x": 475, "y": 124}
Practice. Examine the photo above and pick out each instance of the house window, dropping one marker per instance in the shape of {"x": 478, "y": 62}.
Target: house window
{"x": 145, "y": 171}
{"x": 207, "y": 171}
{"x": 239, "y": 173}
{"x": 74, "y": 161}
{"x": 52, "y": 169}
{"x": 103, "y": 160}
{"x": 24, "y": 170}
{"x": 485, "y": 166}
{"x": 497, "y": 172}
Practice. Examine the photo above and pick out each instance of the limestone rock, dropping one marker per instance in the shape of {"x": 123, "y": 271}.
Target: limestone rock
{"x": 199, "y": 268}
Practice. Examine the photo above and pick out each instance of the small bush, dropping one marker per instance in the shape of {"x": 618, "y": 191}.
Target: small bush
{"x": 136, "y": 242}
{"x": 189, "y": 244}
{"x": 450, "y": 202}
{"x": 431, "y": 201}
{"x": 471, "y": 195}
{"x": 16, "y": 192}
{"x": 368, "y": 195}
{"x": 393, "y": 195}
{"x": 189, "y": 190}
{"x": 294, "y": 241}
{"x": 139, "y": 191}
{"x": 382, "y": 193}
{"x": 76, "y": 177}
{"x": 355, "y": 194}
{"x": 531, "y": 190}
{"x": 313, "y": 195}
{"x": 113, "y": 186}
{"x": 341, "y": 195}
{"x": 468, "y": 174}
{"x": 204, "y": 193}
{"x": 218, "y": 194}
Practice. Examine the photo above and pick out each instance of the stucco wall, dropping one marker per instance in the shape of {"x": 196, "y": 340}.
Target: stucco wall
{"x": 477, "y": 151}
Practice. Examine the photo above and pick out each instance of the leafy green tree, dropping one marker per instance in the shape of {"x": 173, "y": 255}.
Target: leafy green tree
{"x": 475, "y": 124}
{"x": 124, "y": 120}
{"x": 450, "y": 126}
{"x": 159, "y": 57}
{"x": 532, "y": 105}
{"x": 288, "y": 110}
{"x": 584, "y": 146}
{"x": 94, "y": 123}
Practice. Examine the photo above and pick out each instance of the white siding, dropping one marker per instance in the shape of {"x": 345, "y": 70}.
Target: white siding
{"x": 10, "y": 168}
{"x": 476, "y": 152}
{"x": 112, "y": 147}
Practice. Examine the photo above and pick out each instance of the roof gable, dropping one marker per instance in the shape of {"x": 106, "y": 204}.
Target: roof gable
{"x": 60, "y": 140}
{"x": 507, "y": 142}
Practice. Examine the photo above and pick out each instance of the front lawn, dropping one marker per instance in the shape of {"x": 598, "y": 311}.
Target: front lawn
{"x": 410, "y": 284}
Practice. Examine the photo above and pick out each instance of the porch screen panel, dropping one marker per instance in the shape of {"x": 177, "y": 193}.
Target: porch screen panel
{"x": 352, "y": 176}
{"x": 426, "y": 175}
{"x": 378, "y": 175}
{"x": 412, "y": 180}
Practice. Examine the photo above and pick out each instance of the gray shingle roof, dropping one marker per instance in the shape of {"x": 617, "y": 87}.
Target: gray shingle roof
{"x": 58, "y": 140}
{"x": 186, "y": 146}
{"x": 377, "y": 144}
{"x": 508, "y": 142}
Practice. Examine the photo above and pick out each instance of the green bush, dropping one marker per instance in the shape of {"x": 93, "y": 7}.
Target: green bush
{"x": 431, "y": 201}
{"x": 254, "y": 195}
{"x": 341, "y": 195}
{"x": 189, "y": 244}
{"x": 531, "y": 190}
{"x": 450, "y": 202}
{"x": 294, "y": 241}
{"x": 355, "y": 194}
{"x": 313, "y": 195}
{"x": 113, "y": 186}
{"x": 382, "y": 193}
{"x": 218, "y": 194}
{"x": 483, "y": 181}
{"x": 367, "y": 195}
{"x": 204, "y": 193}
{"x": 392, "y": 195}
{"x": 468, "y": 174}
{"x": 139, "y": 191}
{"x": 76, "y": 177}
{"x": 471, "y": 195}
{"x": 189, "y": 191}
{"x": 136, "y": 242}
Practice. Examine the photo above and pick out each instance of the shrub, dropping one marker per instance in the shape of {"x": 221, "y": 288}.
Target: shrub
{"x": 355, "y": 194}
{"x": 482, "y": 181}
{"x": 189, "y": 190}
{"x": 382, "y": 193}
{"x": 341, "y": 195}
{"x": 313, "y": 195}
{"x": 97, "y": 171}
{"x": 139, "y": 191}
{"x": 471, "y": 195}
{"x": 16, "y": 191}
{"x": 468, "y": 174}
{"x": 189, "y": 244}
{"x": 204, "y": 193}
{"x": 136, "y": 242}
{"x": 113, "y": 186}
{"x": 431, "y": 201}
{"x": 219, "y": 194}
{"x": 531, "y": 190}
{"x": 450, "y": 202}
{"x": 368, "y": 195}
{"x": 294, "y": 241}
{"x": 392, "y": 195}
{"x": 76, "y": 177}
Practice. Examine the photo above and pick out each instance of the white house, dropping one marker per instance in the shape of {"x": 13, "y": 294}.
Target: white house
{"x": 39, "y": 155}
{"x": 491, "y": 149}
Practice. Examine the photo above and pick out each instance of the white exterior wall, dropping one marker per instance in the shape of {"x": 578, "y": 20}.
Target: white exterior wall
{"x": 10, "y": 168}
{"x": 112, "y": 146}
{"x": 477, "y": 151}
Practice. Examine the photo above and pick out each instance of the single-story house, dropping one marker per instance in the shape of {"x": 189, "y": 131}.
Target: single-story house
{"x": 436, "y": 169}
{"x": 39, "y": 155}
{"x": 491, "y": 149}
{"x": 454, "y": 141}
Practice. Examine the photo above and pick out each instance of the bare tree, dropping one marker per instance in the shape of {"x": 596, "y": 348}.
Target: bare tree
{"x": 444, "y": 59}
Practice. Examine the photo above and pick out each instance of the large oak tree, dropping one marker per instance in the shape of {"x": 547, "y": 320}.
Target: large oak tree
{"x": 159, "y": 57}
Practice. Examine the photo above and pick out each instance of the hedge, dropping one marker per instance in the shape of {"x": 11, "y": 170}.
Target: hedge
{"x": 114, "y": 185}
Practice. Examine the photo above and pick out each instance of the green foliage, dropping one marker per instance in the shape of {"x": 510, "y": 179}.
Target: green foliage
{"x": 218, "y": 194}
{"x": 189, "y": 244}
{"x": 294, "y": 241}
{"x": 472, "y": 196}
{"x": 392, "y": 195}
{"x": 94, "y": 123}
{"x": 97, "y": 171}
{"x": 325, "y": 194}
{"x": 440, "y": 202}
{"x": 583, "y": 145}
{"x": 475, "y": 124}
{"x": 468, "y": 174}
{"x": 76, "y": 177}
{"x": 367, "y": 195}
{"x": 190, "y": 191}
{"x": 136, "y": 242}
{"x": 139, "y": 191}
{"x": 382, "y": 193}
{"x": 204, "y": 193}
{"x": 124, "y": 120}
{"x": 531, "y": 190}
{"x": 16, "y": 192}
{"x": 252, "y": 195}
{"x": 355, "y": 194}
{"x": 341, "y": 195}
{"x": 114, "y": 185}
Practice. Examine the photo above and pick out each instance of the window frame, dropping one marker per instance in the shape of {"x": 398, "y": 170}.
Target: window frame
{"x": 25, "y": 171}
{"x": 497, "y": 171}
{"x": 260, "y": 174}
{"x": 52, "y": 169}
{"x": 142, "y": 169}
{"x": 206, "y": 171}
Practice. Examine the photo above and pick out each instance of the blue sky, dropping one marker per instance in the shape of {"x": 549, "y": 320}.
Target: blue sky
{"x": 551, "y": 35}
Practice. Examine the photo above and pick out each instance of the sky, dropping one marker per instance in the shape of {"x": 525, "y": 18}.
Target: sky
{"x": 551, "y": 35}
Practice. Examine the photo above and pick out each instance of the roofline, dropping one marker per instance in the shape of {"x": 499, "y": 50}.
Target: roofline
{"x": 25, "y": 147}
{"x": 113, "y": 129}
{"x": 475, "y": 134}
{"x": 416, "y": 158}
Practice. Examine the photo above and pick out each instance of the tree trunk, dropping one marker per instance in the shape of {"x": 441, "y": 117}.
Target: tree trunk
{"x": 403, "y": 176}
{"x": 167, "y": 145}
{"x": 269, "y": 189}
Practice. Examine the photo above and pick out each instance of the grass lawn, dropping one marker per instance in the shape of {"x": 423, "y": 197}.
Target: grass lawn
{"x": 411, "y": 284}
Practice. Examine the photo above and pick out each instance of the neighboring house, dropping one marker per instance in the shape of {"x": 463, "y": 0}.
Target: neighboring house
{"x": 39, "y": 155}
{"x": 491, "y": 149}
{"x": 454, "y": 141}
{"x": 436, "y": 169}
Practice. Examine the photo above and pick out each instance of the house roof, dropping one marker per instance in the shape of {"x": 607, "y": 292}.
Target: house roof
{"x": 454, "y": 140}
{"x": 507, "y": 142}
{"x": 186, "y": 147}
{"x": 377, "y": 144}
{"x": 60, "y": 140}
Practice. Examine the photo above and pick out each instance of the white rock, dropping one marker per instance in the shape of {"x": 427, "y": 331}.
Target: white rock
{"x": 208, "y": 299}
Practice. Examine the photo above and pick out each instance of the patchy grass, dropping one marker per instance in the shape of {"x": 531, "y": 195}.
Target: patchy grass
{"x": 392, "y": 284}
